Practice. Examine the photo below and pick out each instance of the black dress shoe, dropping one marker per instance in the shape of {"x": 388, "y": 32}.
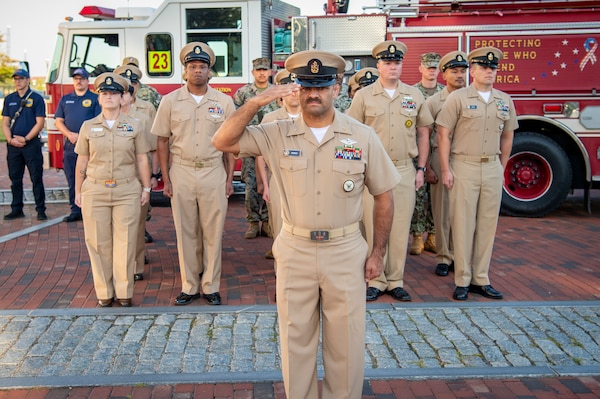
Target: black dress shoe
{"x": 138, "y": 277}
{"x": 147, "y": 237}
{"x": 73, "y": 217}
{"x": 373, "y": 293}
{"x": 126, "y": 303}
{"x": 146, "y": 260}
{"x": 461, "y": 293}
{"x": 184, "y": 299}
{"x": 42, "y": 216}
{"x": 486, "y": 290}
{"x": 442, "y": 269}
{"x": 14, "y": 215}
{"x": 213, "y": 299}
{"x": 105, "y": 303}
{"x": 400, "y": 294}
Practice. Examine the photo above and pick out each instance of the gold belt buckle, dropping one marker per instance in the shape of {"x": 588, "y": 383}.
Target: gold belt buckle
{"x": 199, "y": 164}
{"x": 110, "y": 183}
{"x": 319, "y": 235}
{"x": 484, "y": 158}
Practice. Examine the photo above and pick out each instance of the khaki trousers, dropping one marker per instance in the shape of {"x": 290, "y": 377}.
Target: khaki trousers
{"x": 404, "y": 205}
{"x": 110, "y": 219}
{"x": 321, "y": 283}
{"x": 440, "y": 208}
{"x": 199, "y": 209}
{"x": 474, "y": 206}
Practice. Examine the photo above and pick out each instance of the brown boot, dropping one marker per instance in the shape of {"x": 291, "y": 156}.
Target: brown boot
{"x": 266, "y": 230}
{"x": 417, "y": 245}
{"x": 430, "y": 243}
{"x": 252, "y": 231}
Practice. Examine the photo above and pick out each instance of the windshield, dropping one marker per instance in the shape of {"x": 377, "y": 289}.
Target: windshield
{"x": 55, "y": 63}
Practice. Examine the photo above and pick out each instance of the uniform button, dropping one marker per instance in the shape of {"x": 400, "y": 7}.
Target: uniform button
{"x": 318, "y": 170}
{"x": 318, "y": 213}
{"x": 318, "y": 193}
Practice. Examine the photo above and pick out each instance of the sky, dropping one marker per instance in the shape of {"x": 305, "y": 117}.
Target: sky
{"x": 30, "y": 32}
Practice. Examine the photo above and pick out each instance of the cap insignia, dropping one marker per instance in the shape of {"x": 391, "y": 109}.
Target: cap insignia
{"x": 368, "y": 75}
{"x": 315, "y": 65}
{"x": 108, "y": 80}
{"x": 490, "y": 56}
{"x": 392, "y": 49}
{"x": 197, "y": 50}
{"x": 128, "y": 73}
{"x": 459, "y": 58}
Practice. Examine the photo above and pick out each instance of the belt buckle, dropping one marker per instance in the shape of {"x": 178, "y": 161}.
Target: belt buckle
{"x": 199, "y": 164}
{"x": 484, "y": 158}
{"x": 110, "y": 183}
{"x": 319, "y": 235}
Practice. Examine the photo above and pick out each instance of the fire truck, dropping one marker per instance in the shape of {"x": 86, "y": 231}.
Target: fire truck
{"x": 550, "y": 65}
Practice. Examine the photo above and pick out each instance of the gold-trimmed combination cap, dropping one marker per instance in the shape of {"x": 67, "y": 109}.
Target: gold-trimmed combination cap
{"x": 131, "y": 61}
{"x": 284, "y": 77}
{"x": 315, "y": 68}
{"x": 366, "y": 76}
{"x": 261, "y": 63}
{"x": 197, "y": 51}
{"x": 110, "y": 81}
{"x": 352, "y": 83}
{"x": 430, "y": 60}
{"x": 389, "y": 50}
{"x": 485, "y": 56}
{"x": 130, "y": 72}
{"x": 454, "y": 59}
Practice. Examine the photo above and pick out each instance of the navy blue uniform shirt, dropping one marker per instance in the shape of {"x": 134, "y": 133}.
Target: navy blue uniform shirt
{"x": 76, "y": 109}
{"x": 34, "y": 107}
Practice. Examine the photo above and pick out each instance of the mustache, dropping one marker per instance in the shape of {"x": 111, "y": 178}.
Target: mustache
{"x": 313, "y": 100}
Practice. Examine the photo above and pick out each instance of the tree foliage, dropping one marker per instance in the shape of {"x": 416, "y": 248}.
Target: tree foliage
{"x": 7, "y": 65}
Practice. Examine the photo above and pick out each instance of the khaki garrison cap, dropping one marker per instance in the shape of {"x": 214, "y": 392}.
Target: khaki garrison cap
{"x": 131, "y": 61}
{"x": 485, "y": 56}
{"x": 315, "y": 68}
{"x": 366, "y": 76}
{"x": 197, "y": 51}
{"x": 454, "y": 59}
{"x": 109, "y": 81}
{"x": 389, "y": 50}
{"x": 130, "y": 72}
{"x": 430, "y": 60}
{"x": 283, "y": 77}
{"x": 261, "y": 63}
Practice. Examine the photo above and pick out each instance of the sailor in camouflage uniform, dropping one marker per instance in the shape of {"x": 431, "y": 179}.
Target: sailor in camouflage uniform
{"x": 256, "y": 209}
{"x": 422, "y": 219}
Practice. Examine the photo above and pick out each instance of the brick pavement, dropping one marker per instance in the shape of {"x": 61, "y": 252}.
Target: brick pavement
{"x": 549, "y": 259}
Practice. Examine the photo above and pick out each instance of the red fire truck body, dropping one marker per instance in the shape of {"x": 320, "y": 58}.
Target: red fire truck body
{"x": 550, "y": 65}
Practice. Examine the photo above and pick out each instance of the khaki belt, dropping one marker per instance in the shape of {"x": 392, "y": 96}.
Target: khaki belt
{"x": 321, "y": 235}
{"x": 472, "y": 158}
{"x": 403, "y": 162}
{"x": 198, "y": 164}
{"x": 110, "y": 183}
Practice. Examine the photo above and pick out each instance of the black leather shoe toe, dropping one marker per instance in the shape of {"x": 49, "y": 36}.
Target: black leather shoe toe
{"x": 73, "y": 217}
{"x": 485, "y": 290}
{"x": 400, "y": 294}
{"x": 461, "y": 293}
{"x": 14, "y": 215}
{"x": 42, "y": 216}
{"x": 184, "y": 299}
{"x": 442, "y": 269}
{"x": 213, "y": 299}
{"x": 373, "y": 293}
{"x": 147, "y": 237}
{"x": 138, "y": 277}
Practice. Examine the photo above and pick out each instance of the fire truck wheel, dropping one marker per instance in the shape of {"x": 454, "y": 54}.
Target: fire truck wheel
{"x": 157, "y": 199}
{"x": 537, "y": 178}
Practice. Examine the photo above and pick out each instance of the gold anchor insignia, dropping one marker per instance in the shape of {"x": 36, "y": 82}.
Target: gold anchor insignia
{"x": 490, "y": 56}
{"x": 314, "y": 66}
{"x": 392, "y": 49}
{"x": 197, "y": 50}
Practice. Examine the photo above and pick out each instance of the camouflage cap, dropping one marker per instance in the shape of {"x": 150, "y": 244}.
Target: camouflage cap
{"x": 485, "y": 56}
{"x": 389, "y": 50}
{"x": 454, "y": 59}
{"x": 110, "y": 81}
{"x": 130, "y": 61}
{"x": 315, "y": 68}
{"x": 197, "y": 51}
{"x": 130, "y": 72}
{"x": 366, "y": 76}
{"x": 283, "y": 77}
{"x": 261, "y": 63}
{"x": 430, "y": 60}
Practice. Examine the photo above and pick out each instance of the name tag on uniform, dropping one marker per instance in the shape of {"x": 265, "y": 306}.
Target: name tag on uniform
{"x": 96, "y": 129}
{"x": 292, "y": 153}
{"x": 471, "y": 106}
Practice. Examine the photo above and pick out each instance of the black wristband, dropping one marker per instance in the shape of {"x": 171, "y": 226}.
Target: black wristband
{"x": 156, "y": 175}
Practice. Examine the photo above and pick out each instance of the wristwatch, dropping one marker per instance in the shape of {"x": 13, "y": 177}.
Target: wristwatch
{"x": 147, "y": 189}
{"x": 423, "y": 168}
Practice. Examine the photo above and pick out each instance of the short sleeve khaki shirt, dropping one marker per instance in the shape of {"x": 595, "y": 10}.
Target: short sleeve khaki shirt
{"x": 322, "y": 184}
{"x": 434, "y": 103}
{"x": 394, "y": 119}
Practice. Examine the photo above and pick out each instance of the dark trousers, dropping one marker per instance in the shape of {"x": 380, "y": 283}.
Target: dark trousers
{"x": 17, "y": 159}
{"x": 69, "y": 163}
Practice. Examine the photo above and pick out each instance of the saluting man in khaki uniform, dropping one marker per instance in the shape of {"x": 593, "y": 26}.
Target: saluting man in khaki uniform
{"x": 454, "y": 71}
{"x": 321, "y": 162}
{"x": 482, "y": 121}
{"x": 398, "y": 114}
{"x": 111, "y": 152}
{"x": 194, "y": 173}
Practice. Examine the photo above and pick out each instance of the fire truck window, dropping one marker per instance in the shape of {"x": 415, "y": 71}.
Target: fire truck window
{"x": 202, "y": 24}
{"x": 97, "y": 53}
{"x": 55, "y": 64}
{"x": 159, "y": 54}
